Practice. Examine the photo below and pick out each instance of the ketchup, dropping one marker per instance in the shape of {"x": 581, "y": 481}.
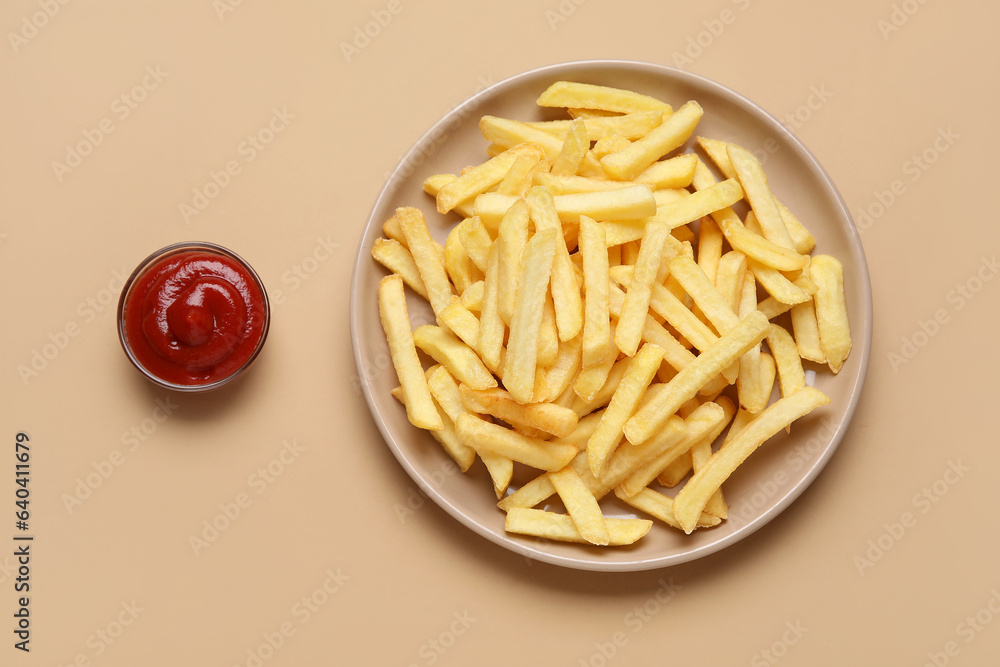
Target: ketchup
{"x": 194, "y": 316}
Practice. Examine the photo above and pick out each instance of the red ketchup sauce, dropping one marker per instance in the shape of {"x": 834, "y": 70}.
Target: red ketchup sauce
{"x": 194, "y": 317}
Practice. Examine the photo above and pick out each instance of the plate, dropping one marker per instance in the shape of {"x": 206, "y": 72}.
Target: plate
{"x": 774, "y": 476}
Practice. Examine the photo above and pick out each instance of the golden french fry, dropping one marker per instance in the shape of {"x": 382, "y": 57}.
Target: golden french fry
{"x": 768, "y": 371}
{"x": 629, "y": 126}
{"x": 426, "y": 256}
{"x": 831, "y": 310}
{"x": 806, "y": 330}
{"x": 433, "y": 185}
{"x": 749, "y": 384}
{"x": 597, "y": 342}
{"x": 522, "y": 344}
{"x": 491, "y": 325}
{"x": 701, "y": 451}
{"x": 587, "y": 96}
{"x": 641, "y": 370}
{"x": 583, "y": 406}
{"x": 691, "y": 499}
{"x": 633, "y": 314}
{"x": 675, "y": 172}
{"x": 476, "y": 241}
{"x": 581, "y": 505}
{"x": 570, "y": 184}
{"x": 420, "y": 408}
{"x": 630, "y": 458}
{"x": 462, "y": 322}
{"x": 791, "y": 376}
{"x": 501, "y": 470}
{"x": 395, "y": 257}
{"x": 548, "y": 417}
{"x": 699, "y": 424}
{"x": 709, "y": 247}
{"x": 512, "y": 238}
{"x": 472, "y": 297}
{"x": 777, "y": 285}
{"x": 758, "y": 193}
{"x": 565, "y": 288}
{"x": 671, "y": 133}
{"x": 541, "y": 454}
{"x": 629, "y": 203}
{"x": 548, "y": 335}
{"x": 518, "y": 179}
{"x": 575, "y": 146}
{"x": 685, "y": 385}
{"x": 554, "y": 381}
{"x": 661, "y": 507}
{"x": 610, "y": 144}
{"x": 674, "y": 473}
{"x": 482, "y": 177}
{"x": 460, "y": 359}
{"x": 447, "y": 437}
{"x": 560, "y": 527}
{"x": 457, "y": 263}
{"x": 703, "y": 292}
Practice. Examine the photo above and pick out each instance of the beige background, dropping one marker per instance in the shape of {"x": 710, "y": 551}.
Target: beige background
{"x": 422, "y": 589}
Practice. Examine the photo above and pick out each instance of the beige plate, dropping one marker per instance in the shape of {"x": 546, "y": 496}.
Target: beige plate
{"x": 774, "y": 476}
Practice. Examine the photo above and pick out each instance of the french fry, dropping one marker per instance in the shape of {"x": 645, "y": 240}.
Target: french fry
{"x": 395, "y": 257}
{"x": 462, "y": 322}
{"x": 701, "y": 451}
{"x": 476, "y": 241}
{"x": 691, "y": 499}
{"x": 565, "y": 289}
{"x": 674, "y": 131}
{"x": 749, "y": 384}
{"x": 541, "y": 454}
{"x": 482, "y": 177}
{"x": 831, "y": 310}
{"x": 548, "y": 335}
{"x": 699, "y": 424}
{"x": 806, "y": 330}
{"x": 501, "y": 470}
{"x": 587, "y": 96}
{"x": 420, "y": 408}
{"x": 426, "y": 256}
{"x": 552, "y": 382}
{"x": 560, "y": 527}
{"x": 675, "y": 473}
{"x": 457, "y": 263}
{"x": 758, "y": 193}
{"x": 522, "y": 345}
{"x": 571, "y": 184}
{"x": 597, "y": 342}
{"x": 447, "y": 437}
{"x": 777, "y": 285}
{"x": 661, "y": 507}
{"x": 709, "y": 247}
{"x": 460, "y": 359}
{"x": 706, "y": 297}
{"x": 628, "y": 459}
{"x": 609, "y": 144}
{"x": 491, "y": 325}
{"x": 685, "y": 385}
{"x": 634, "y": 201}
{"x": 519, "y": 177}
{"x": 628, "y": 334}
{"x": 791, "y": 376}
{"x": 583, "y": 406}
{"x": 548, "y": 417}
{"x": 574, "y": 148}
{"x": 629, "y": 126}
{"x": 582, "y": 506}
{"x": 512, "y": 238}
{"x": 641, "y": 370}
{"x": 433, "y": 185}
{"x": 675, "y": 172}
{"x": 472, "y": 297}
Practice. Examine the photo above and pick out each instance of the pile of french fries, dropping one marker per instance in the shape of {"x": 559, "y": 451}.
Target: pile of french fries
{"x": 587, "y": 331}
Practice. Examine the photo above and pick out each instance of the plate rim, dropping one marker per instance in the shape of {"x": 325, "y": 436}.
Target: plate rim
{"x": 865, "y": 327}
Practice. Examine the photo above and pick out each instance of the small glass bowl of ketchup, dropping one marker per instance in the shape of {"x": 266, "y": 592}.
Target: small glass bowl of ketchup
{"x": 193, "y": 316}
